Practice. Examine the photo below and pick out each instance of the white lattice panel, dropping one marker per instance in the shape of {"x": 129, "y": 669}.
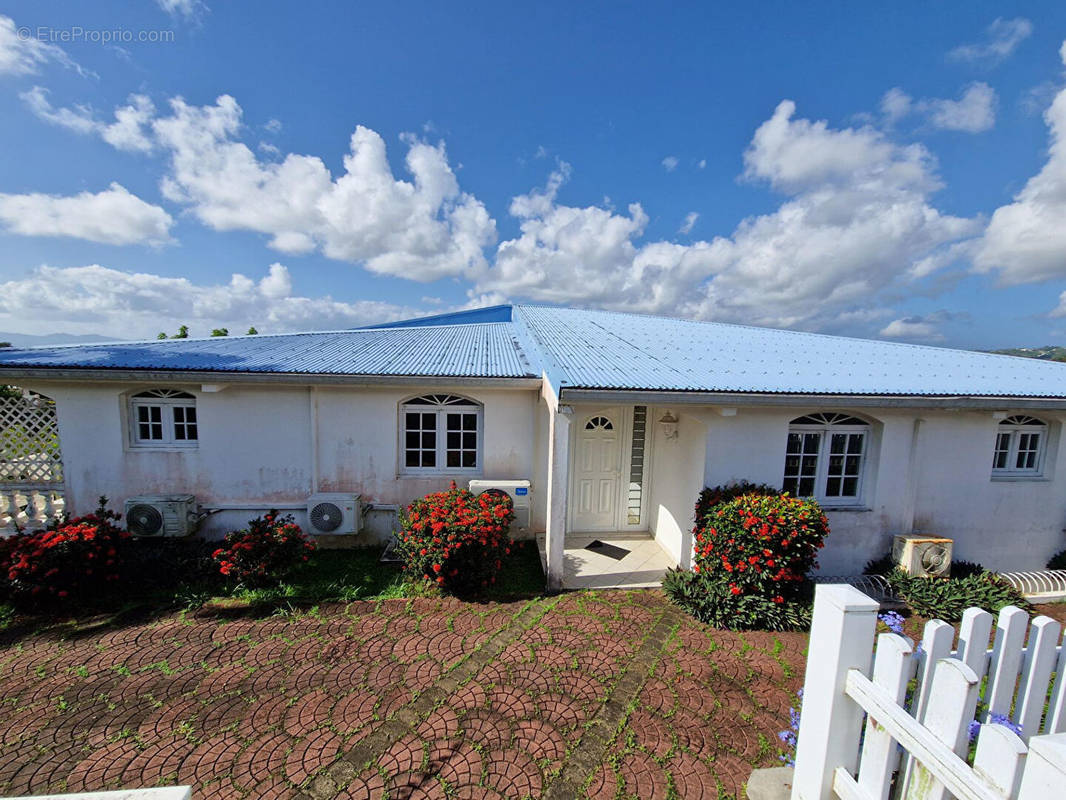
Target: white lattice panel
{"x": 29, "y": 441}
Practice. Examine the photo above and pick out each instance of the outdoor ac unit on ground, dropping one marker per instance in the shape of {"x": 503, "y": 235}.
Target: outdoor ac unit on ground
{"x": 334, "y": 513}
{"x": 156, "y": 516}
{"x": 924, "y": 556}
{"x": 518, "y": 491}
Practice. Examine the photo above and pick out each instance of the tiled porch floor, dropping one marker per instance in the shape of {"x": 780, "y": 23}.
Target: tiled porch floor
{"x": 644, "y": 566}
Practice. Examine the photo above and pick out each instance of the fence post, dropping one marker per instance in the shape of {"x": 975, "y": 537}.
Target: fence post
{"x": 842, "y": 638}
{"x": 1045, "y": 768}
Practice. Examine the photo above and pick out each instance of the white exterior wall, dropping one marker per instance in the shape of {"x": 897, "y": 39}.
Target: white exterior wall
{"x": 674, "y": 480}
{"x": 255, "y": 446}
{"x": 1004, "y": 525}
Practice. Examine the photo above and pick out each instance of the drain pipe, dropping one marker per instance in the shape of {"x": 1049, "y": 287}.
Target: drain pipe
{"x": 312, "y": 401}
{"x": 911, "y": 498}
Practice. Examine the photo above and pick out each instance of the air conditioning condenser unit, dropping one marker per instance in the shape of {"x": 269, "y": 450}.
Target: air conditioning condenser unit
{"x": 334, "y": 513}
{"x": 159, "y": 516}
{"x": 521, "y": 497}
{"x": 923, "y": 556}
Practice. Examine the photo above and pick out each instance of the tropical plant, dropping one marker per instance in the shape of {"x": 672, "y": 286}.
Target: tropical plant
{"x": 456, "y": 540}
{"x": 265, "y": 552}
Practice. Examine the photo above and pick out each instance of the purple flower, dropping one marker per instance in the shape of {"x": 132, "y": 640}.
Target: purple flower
{"x": 893, "y": 621}
{"x": 995, "y": 719}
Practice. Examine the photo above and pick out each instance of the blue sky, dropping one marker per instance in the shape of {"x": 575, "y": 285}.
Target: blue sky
{"x": 878, "y": 172}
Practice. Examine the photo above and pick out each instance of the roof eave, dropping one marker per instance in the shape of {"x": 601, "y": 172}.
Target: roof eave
{"x": 769, "y": 399}
{"x": 290, "y": 378}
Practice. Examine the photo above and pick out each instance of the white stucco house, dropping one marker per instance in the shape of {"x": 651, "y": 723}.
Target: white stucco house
{"x": 617, "y": 421}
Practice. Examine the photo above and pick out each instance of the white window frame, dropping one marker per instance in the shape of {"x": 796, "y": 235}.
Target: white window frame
{"x": 826, "y": 429}
{"x": 1014, "y": 427}
{"x": 166, "y": 400}
{"x": 447, "y": 404}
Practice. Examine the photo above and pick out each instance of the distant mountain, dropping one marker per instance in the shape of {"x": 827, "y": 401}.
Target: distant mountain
{"x": 1050, "y": 352}
{"x": 45, "y": 339}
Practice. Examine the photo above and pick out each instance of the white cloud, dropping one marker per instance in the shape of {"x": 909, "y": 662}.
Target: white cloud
{"x": 702, "y": 163}
{"x": 911, "y": 328}
{"x": 113, "y": 216}
{"x": 188, "y": 9}
{"x": 974, "y": 112}
{"x": 22, "y": 53}
{"x": 856, "y": 221}
{"x": 688, "y": 223}
{"x": 924, "y": 328}
{"x": 129, "y": 131}
{"x": 1026, "y": 239}
{"x": 273, "y": 126}
{"x": 855, "y": 228}
{"x": 1001, "y": 39}
{"x": 96, "y": 299}
{"x": 670, "y": 163}
{"x": 896, "y": 104}
{"x": 421, "y": 229}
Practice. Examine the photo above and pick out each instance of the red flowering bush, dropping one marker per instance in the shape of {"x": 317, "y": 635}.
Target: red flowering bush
{"x": 81, "y": 558}
{"x": 712, "y": 496}
{"x": 265, "y": 552}
{"x": 456, "y": 540}
{"x": 752, "y": 556}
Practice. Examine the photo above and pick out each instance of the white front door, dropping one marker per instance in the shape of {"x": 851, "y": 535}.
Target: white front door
{"x": 597, "y": 471}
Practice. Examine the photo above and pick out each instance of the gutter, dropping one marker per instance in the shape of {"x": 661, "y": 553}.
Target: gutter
{"x": 292, "y": 378}
{"x": 770, "y": 399}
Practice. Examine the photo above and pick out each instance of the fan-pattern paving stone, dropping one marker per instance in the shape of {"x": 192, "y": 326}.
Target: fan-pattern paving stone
{"x": 456, "y": 700}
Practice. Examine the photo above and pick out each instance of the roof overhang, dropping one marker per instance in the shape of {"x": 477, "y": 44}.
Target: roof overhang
{"x": 66, "y": 374}
{"x": 769, "y": 399}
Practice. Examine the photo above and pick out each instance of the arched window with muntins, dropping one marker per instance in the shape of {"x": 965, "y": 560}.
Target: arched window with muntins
{"x": 163, "y": 418}
{"x": 825, "y": 457}
{"x": 1020, "y": 445}
{"x": 440, "y": 434}
{"x": 599, "y": 424}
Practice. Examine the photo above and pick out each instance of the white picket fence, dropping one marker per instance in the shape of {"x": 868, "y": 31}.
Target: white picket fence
{"x": 918, "y": 748}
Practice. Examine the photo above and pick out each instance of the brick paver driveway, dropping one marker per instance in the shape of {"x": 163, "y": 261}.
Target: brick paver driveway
{"x": 610, "y": 694}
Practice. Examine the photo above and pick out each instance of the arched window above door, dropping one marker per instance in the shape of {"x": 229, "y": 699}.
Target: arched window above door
{"x": 599, "y": 424}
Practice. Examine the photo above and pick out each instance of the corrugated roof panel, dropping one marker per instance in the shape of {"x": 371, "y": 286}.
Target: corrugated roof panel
{"x": 485, "y": 350}
{"x": 593, "y": 350}
{"x": 608, "y": 350}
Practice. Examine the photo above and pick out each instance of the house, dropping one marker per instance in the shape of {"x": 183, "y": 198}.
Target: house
{"x": 617, "y": 420}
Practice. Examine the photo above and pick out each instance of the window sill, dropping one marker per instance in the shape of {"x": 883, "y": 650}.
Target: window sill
{"x": 418, "y": 476}
{"x": 844, "y": 509}
{"x": 1020, "y": 479}
{"x": 165, "y": 448}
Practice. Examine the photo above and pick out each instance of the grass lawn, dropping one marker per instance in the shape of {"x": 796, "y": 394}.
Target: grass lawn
{"x": 331, "y": 576}
{"x": 347, "y": 575}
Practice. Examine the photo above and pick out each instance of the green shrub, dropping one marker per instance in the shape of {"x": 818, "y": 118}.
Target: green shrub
{"x": 82, "y": 559}
{"x": 752, "y": 555}
{"x": 948, "y": 598}
{"x": 264, "y": 553}
{"x": 456, "y": 540}
{"x": 1057, "y": 561}
{"x": 712, "y": 601}
{"x": 712, "y": 496}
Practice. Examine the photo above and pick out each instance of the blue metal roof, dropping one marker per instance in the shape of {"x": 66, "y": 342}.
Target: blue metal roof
{"x": 476, "y": 350}
{"x": 586, "y": 350}
{"x": 607, "y": 350}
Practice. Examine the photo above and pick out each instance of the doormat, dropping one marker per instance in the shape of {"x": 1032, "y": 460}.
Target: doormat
{"x": 609, "y": 550}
